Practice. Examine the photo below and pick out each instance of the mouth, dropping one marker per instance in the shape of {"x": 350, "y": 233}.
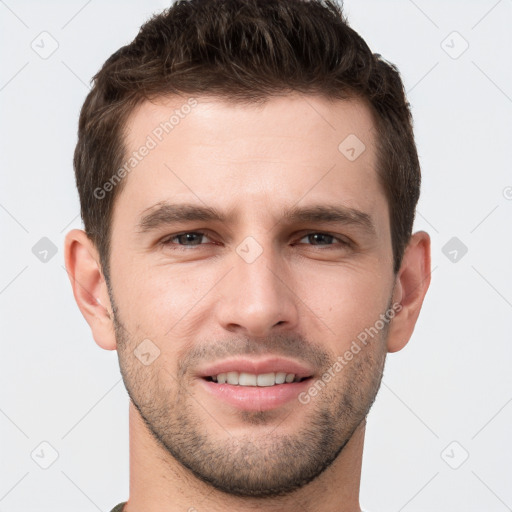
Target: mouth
{"x": 245, "y": 379}
{"x": 255, "y": 384}
{"x": 255, "y": 392}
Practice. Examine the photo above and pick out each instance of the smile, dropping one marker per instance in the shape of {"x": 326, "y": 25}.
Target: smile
{"x": 251, "y": 379}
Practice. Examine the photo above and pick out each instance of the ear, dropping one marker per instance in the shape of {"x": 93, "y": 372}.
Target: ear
{"x": 411, "y": 285}
{"x": 89, "y": 287}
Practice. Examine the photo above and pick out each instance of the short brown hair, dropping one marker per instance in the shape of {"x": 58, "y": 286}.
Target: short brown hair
{"x": 249, "y": 51}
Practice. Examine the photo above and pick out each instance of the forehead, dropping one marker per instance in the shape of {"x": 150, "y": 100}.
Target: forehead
{"x": 237, "y": 155}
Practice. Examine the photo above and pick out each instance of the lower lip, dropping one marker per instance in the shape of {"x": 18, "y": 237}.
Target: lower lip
{"x": 256, "y": 398}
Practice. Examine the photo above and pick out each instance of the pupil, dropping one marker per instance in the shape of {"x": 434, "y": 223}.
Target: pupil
{"x": 316, "y": 235}
{"x": 189, "y": 237}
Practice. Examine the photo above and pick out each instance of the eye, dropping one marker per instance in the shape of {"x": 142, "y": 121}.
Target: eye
{"x": 183, "y": 239}
{"x": 193, "y": 238}
{"x": 321, "y": 238}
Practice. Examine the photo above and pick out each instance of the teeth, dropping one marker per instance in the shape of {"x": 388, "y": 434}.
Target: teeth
{"x": 247, "y": 379}
{"x": 250, "y": 379}
{"x": 232, "y": 378}
{"x": 281, "y": 377}
{"x": 266, "y": 379}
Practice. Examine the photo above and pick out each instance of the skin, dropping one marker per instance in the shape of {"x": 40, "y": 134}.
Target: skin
{"x": 305, "y": 298}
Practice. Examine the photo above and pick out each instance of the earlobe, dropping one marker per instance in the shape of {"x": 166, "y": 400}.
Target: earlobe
{"x": 412, "y": 282}
{"x": 89, "y": 287}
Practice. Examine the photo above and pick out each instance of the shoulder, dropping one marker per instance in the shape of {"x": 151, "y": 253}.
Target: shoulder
{"x": 119, "y": 508}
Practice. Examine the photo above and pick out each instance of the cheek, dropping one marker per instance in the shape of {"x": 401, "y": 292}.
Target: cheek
{"x": 348, "y": 300}
{"x": 153, "y": 300}
{"x": 339, "y": 301}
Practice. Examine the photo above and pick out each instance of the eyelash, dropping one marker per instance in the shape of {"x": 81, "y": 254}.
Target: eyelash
{"x": 167, "y": 241}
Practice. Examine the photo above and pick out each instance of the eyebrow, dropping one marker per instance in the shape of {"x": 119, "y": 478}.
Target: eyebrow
{"x": 165, "y": 213}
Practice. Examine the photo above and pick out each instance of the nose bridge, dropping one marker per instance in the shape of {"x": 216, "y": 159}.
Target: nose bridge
{"x": 256, "y": 297}
{"x": 255, "y": 269}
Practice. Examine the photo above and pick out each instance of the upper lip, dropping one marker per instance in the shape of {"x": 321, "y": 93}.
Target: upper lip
{"x": 268, "y": 365}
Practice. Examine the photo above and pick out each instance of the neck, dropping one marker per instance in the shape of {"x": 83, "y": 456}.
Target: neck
{"x": 159, "y": 483}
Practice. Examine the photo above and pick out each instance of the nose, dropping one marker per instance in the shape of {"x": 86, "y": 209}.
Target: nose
{"x": 256, "y": 298}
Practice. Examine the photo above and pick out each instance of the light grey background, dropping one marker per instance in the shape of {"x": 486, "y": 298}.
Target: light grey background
{"x": 446, "y": 396}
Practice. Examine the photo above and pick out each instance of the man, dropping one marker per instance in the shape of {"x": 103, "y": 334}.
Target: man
{"x": 248, "y": 179}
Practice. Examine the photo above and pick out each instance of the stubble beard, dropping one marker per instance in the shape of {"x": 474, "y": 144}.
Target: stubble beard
{"x": 269, "y": 461}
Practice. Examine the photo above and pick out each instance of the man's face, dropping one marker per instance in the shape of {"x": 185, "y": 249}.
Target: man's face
{"x": 257, "y": 286}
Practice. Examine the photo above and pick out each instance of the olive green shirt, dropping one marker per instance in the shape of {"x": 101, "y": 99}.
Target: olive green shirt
{"x": 119, "y": 508}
